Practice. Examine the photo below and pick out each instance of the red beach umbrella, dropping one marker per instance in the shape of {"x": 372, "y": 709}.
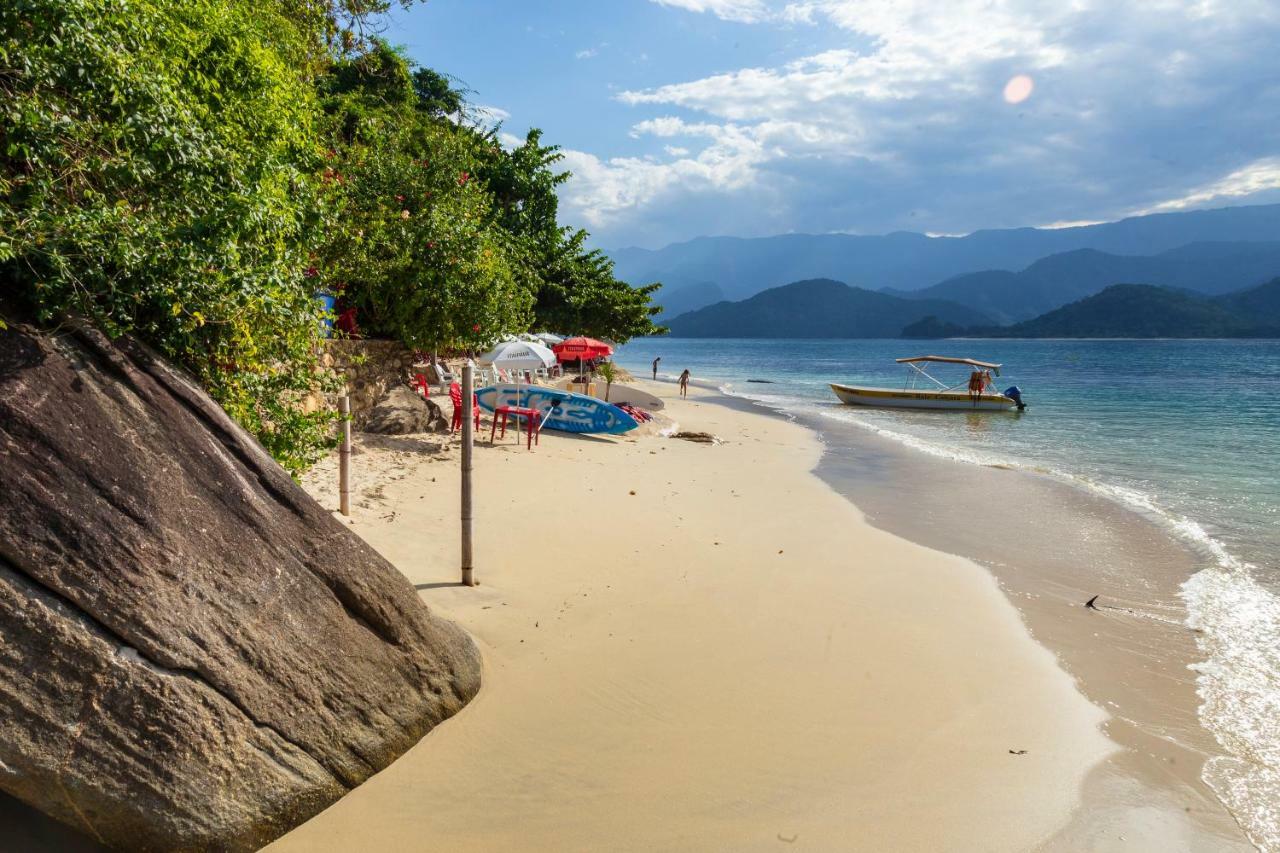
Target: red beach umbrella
{"x": 581, "y": 349}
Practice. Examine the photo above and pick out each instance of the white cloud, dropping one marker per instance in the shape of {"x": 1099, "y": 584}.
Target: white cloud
{"x": 1258, "y": 176}
{"x": 490, "y": 113}
{"x": 743, "y": 11}
{"x": 587, "y": 53}
{"x": 601, "y": 191}
{"x": 904, "y": 123}
{"x": 1070, "y": 223}
{"x": 509, "y": 141}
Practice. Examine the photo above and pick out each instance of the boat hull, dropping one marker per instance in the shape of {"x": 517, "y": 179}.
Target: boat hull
{"x": 886, "y": 398}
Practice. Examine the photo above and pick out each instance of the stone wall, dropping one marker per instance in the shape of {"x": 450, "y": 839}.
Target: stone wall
{"x": 370, "y": 369}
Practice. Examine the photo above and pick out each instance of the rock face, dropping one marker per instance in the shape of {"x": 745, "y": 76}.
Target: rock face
{"x": 193, "y": 653}
{"x": 402, "y": 411}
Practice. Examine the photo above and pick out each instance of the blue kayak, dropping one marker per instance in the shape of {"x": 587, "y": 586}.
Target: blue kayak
{"x": 562, "y": 410}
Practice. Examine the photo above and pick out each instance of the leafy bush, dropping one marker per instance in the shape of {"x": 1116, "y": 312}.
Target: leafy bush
{"x": 154, "y": 177}
{"x": 192, "y": 171}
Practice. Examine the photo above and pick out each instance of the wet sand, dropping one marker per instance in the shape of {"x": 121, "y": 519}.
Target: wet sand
{"x": 692, "y": 647}
{"x": 1052, "y": 546}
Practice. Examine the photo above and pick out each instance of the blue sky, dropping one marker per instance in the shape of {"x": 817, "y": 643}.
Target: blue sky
{"x": 752, "y": 117}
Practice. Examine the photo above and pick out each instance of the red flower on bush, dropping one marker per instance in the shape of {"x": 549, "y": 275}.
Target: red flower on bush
{"x": 476, "y": 327}
{"x": 399, "y": 198}
{"x": 463, "y": 178}
{"x": 311, "y": 272}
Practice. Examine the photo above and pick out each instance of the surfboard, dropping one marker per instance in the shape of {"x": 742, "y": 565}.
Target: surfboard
{"x": 620, "y": 393}
{"x": 634, "y": 396}
{"x": 563, "y": 410}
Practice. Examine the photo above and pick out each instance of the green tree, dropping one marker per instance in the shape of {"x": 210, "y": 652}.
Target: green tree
{"x": 575, "y": 288}
{"x": 436, "y": 95}
{"x": 413, "y": 244}
{"x": 155, "y": 177}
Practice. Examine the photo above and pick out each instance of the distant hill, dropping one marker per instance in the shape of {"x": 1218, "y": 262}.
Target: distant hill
{"x": 932, "y": 327}
{"x": 1146, "y": 311}
{"x": 678, "y": 298}
{"x": 909, "y": 261}
{"x": 818, "y": 308}
{"x": 1068, "y": 276}
{"x": 1261, "y": 303}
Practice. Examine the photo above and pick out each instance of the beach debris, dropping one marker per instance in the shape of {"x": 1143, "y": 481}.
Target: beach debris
{"x": 633, "y": 491}
{"x": 277, "y": 661}
{"x": 1090, "y": 603}
{"x": 1017, "y": 752}
{"x": 696, "y": 437}
{"x": 793, "y": 839}
{"x": 761, "y": 381}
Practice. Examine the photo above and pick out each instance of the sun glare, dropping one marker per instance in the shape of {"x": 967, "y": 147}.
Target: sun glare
{"x": 1018, "y": 89}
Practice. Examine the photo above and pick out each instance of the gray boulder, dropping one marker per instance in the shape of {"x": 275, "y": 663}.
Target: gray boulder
{"x": 402, "y": 411}
{"x": 193, "y": 653}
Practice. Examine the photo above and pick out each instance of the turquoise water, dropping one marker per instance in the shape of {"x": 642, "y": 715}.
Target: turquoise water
{"x": 1185, "y": 432}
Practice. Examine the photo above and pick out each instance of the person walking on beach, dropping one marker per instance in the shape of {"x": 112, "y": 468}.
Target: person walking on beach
{"x": 655, "y": 367}
{"x": 684, "y": 383}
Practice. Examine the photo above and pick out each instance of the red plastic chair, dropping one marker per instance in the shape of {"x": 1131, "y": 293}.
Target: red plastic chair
{"x": 455, "y": 397}
{"x": 420, "y": 385}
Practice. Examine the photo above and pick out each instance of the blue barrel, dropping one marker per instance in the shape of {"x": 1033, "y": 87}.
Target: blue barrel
{"x": 327, "y": 301}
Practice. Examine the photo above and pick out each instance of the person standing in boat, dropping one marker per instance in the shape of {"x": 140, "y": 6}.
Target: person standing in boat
{"x": 684, "y": 383}
{"x": 976, "y": 383}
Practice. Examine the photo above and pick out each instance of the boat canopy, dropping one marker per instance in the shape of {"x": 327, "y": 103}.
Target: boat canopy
{"x": 946, "y": 359}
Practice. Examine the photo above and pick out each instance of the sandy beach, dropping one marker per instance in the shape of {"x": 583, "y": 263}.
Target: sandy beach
{"x": 693, "y": 646}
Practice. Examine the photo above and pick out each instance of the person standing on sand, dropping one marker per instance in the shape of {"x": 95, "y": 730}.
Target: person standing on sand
{"x": 655, "y": 367}
{"x": 684, "y": 383}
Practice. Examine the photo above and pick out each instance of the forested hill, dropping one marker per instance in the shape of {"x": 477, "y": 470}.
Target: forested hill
{"x": 1145, "y": 311}
{"x": 742, "y": 267}
{"x": 818, "y": 308}
{"x": 1009, "y": 297}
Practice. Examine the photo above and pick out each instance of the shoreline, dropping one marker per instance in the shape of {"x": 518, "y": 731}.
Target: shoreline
{"x": 1134, "y": 659}
{"x": 731, "y": 655}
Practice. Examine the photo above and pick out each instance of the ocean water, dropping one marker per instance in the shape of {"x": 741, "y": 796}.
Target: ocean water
{"x": 1186, "y": 433}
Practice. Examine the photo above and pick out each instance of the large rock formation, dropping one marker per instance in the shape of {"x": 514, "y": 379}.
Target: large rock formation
{"x": 193, "y": 653}
{"x": 403, "y": 411}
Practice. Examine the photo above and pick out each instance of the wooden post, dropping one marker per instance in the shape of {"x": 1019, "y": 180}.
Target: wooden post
{"x": 468, "y": 386}
{"x": 344, "y": 457}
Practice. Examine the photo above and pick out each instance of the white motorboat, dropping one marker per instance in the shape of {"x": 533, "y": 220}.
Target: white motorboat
{"x": 976, "y": 393}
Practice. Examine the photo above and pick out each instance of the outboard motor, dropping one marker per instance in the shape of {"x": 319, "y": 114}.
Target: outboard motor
{"x": 1014, "y": 393}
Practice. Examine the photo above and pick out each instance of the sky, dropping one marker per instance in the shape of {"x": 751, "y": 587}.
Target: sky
{"x": 683, "y": 118}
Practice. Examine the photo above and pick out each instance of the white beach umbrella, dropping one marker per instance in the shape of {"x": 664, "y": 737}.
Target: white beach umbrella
{"x": 518, "y": 355}
{"x": 548, "y": 338}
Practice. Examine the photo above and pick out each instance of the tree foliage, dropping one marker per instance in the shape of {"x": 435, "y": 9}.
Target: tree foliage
{"x": 154, "y": 176}
{"x": 192, "y": 171}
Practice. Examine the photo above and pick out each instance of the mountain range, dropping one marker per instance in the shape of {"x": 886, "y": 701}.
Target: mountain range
{"x": 1009, "y": 297}
{"x": 822, "y": 308}
{"x": 818, "y": 308}
{"x": 1211, "y": 250}
{"x": 1145, "y": 311}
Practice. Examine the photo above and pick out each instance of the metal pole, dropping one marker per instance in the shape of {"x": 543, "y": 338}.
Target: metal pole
{"x": 468, "y": 384}
{"x": 344, "y": 457}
